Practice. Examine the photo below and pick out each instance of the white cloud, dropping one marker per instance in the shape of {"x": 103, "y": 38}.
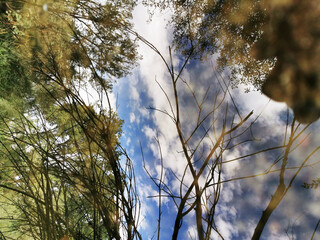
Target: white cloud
{"x": 260, "y": 104}
{"x": 226, "y": 228}
{"x": 146, "y": 210}
{"x": 132, "y": 117}
{"x": 192, "y": 232}
{"x": 149, "y": 132}
{"x": 134, "y": 93}
{"x": 128, "y": 141}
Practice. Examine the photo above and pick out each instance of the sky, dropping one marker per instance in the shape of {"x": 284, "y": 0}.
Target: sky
{"x": 242, "y": 201}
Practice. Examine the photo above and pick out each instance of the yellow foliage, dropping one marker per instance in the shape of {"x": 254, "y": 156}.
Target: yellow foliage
{"x": 45, "y": 28}
{"x": 66, "y": 237}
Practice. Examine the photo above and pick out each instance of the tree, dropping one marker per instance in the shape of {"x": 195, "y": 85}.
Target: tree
{"x": 59, "y": 142}
{"x": 253, "y": 37}
{"x": 64, "y": 178}
{"x": 91, "y": 34}
{"x": 291, "y": 36}
{"x": 227, "y": 28}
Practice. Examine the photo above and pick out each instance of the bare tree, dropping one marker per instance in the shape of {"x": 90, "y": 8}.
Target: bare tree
{"x": 225, "y": 128}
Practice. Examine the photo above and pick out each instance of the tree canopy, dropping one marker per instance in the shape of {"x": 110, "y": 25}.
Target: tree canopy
{"x": 271, "y": 42}
{"x": 60, "y": 153}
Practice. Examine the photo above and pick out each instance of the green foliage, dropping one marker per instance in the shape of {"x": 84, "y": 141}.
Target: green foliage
{"x": 15, "y": 85}
{"x": 13, "y": 78}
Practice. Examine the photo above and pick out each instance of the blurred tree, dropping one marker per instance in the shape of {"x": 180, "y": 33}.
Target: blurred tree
{"x": 292, "y": 36}
{"x": 253, "y": 37}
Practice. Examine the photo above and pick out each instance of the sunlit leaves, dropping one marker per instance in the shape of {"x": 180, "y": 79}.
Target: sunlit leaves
{"x": 74, "y": 33}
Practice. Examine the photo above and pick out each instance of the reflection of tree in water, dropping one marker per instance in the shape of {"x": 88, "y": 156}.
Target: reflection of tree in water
{"x": 254, "y": 36}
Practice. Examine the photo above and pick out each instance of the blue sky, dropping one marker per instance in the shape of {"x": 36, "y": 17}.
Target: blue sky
{"x": 242, "y": 201}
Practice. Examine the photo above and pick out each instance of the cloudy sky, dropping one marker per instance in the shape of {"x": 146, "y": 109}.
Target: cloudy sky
{"x": 242, "y": 201}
